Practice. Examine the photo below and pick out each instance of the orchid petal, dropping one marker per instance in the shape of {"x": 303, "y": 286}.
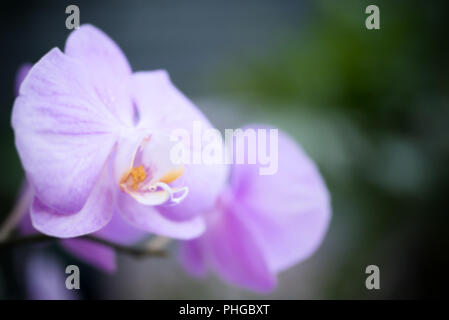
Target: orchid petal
{"x": 119, "y": 231}
{"x": 64, "y": 134}
{"x": 108, "y": 66}
{"x": 95, "y": 254}
{"x": 287, "y": 212}
{"x": 231, "y": 251}
{"x": 192, "y": 257}
{"x": 95, "y": 214}
{"x": 151, "y": 220}
{"x": 163, "y": 109}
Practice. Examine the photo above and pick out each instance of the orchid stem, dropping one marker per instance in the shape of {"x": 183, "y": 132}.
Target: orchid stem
{"x": 38, "y": 238}
{"x": 17, "y": 213}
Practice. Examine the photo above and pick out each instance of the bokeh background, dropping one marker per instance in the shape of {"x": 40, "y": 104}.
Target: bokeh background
{"x": 370, "y": 107}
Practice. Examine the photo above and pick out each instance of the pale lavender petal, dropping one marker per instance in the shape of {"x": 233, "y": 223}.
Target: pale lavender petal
{"x": 20, "y": 76}
{"x": 192, "y": 256}
{"x": 95, "y": 214}
{"x": 108, "y": 68}
{"x": 95, "y": 254}
{"x": 288, "y": 212}
{"x": 64, "y": 134}
{"x": 162, "y": 108}
{"x": 120, "y": 231}
{"x": 149, "y": 219}
{"x": 230, "y": 250}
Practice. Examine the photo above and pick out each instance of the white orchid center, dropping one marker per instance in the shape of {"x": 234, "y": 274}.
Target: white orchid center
{"x": 150, "y": 175}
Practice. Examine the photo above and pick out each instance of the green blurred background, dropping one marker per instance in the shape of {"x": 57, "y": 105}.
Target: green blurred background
{"x": 371, "y": 107}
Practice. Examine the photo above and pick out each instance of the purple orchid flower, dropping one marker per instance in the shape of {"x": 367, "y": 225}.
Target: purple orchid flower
{"x": 97, "y": 255}
{"x": 262, "y": 224}
{"x": 93, "y": 138}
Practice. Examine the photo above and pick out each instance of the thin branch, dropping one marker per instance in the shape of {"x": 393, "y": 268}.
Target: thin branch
{"x": 38, "y": 238}
{"x": 17, "y": 212}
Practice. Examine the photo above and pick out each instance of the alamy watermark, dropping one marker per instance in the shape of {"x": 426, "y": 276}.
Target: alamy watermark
{"x": 372, "y": 22}
{"x": 373, "y": 280}
{"x": 72, "y": 282}
{"x": 73, "y": 20}
{"x": 239, "y": 146}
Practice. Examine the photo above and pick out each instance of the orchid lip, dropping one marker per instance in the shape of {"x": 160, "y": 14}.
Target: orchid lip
{"x": 152, "y": 193}
{"x": 140, "y": 183}
{"x": 171, "y": 192}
